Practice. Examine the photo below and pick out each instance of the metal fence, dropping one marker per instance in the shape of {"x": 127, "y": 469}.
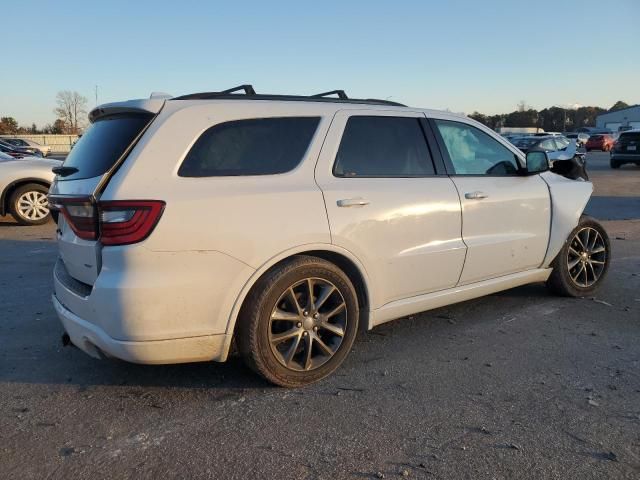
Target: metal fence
{"x": 58, "y": 143}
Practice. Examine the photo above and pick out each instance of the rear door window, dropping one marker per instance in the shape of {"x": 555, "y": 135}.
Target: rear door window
{"x": 259, "y": 146}
{"x": 103, "y": 144}
{"x": 380, "y": 146}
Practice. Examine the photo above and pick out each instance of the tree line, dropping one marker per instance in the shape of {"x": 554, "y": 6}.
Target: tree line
{"x": 70, "y": 112}
{"x": 551, "y": 119}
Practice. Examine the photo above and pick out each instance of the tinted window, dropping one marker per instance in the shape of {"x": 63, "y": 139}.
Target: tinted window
{"x": 103, "y": 143}
{"x": 562, "y": 142}
{"x": 383, "y": 147}
{"x": 259, "y": 146}
{"x": 630, "y": 137}
{"x": 473, "y": 152}
{"x": 547, "y": 145}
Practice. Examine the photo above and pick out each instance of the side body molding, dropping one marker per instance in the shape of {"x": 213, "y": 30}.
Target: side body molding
{"x": 568, "y": 200}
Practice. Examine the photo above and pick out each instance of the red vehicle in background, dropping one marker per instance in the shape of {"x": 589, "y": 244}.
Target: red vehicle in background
{"x": 602, "y": 142}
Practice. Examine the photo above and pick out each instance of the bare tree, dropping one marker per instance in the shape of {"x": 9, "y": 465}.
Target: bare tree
{"x": 71, "y": 109}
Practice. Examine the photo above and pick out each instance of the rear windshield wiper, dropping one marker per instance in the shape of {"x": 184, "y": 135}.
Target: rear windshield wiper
{"x": 64, "y": 171}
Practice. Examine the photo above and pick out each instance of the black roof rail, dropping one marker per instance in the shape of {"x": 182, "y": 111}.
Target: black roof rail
{"x": 250, "y": 94}
{"x": 340, "y": 93}
{"x": 247, "y": 89}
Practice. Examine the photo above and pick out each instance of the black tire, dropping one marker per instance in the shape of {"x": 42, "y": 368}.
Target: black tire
{"x": 255, "y": 326}
{"x": 561, "y": 282}
{"x": 14, "y": 207}
{"x": 614, "y": 164}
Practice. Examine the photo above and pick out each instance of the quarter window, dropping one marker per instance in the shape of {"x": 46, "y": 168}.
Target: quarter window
{"x": 383, "y": 147}
{"x": 259, "y": 146}
{"x": 473, "y": 152}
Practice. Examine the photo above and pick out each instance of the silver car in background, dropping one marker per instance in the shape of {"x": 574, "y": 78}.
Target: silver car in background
{"x": 24, "y": 184}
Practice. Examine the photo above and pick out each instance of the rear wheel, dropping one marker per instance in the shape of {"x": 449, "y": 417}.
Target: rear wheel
{"x": 29, "y": 204}
{"x": 299, "y": 322}
{"x": 583, "y": 261}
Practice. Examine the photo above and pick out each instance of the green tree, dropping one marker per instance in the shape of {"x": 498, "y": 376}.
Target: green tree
{"x": 8, "y": 126}
{"x": 619, "y": 105}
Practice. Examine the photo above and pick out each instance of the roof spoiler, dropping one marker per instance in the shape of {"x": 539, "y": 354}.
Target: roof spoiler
{"x": 150, "y": 105}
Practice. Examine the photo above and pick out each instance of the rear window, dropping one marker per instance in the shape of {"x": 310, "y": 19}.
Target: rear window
{"x": 630, "y": 137}
{"x": 103, "y": 143}
{"x": 259, "y": 146}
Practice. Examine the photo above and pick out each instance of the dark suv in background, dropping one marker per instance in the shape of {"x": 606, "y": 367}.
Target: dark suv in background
{"x": 626, "y": 149}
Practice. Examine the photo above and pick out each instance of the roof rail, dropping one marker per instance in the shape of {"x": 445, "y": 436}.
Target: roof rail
{"x": 250, "y": 94}
{"x": 340, "y": 93}
{"x": 247, "y": 89}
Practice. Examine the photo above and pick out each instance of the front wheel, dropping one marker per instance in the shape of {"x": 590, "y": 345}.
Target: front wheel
{"x": 583, "y": 261}
{"x": 29, "y": 204}
{"x": 299, "y": 322}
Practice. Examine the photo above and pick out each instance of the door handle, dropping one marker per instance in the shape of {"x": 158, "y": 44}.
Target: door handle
{"x": 475, "y": 195}
{"x": 353, "y": 202}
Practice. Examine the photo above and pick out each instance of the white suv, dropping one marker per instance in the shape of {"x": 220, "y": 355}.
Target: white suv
{"x": 285, "y": 223}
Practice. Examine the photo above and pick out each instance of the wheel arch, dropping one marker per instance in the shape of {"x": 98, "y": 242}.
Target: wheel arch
{"x": 11, "y": 187}
{"x": 341, "y": 257}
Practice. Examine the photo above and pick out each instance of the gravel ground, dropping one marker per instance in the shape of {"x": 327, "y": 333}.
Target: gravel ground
{"x": 519, "y": 384}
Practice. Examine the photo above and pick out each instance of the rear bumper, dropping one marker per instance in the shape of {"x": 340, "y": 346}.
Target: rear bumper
{"x": 152, "y": 307}
{"x": 95, "y": 342}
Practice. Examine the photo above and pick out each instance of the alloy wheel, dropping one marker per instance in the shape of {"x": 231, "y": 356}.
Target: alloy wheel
{"x": 33, "y": 205}
{"x": 587, "y": 257}
{"x": 308, "y": 324}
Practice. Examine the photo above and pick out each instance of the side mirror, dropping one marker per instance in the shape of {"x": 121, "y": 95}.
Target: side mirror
{"x": 537, "y": 162}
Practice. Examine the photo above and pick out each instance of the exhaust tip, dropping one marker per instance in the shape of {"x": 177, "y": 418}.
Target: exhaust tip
{"x": 66, "y": 339}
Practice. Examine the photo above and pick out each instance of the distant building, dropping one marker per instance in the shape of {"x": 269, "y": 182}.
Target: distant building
{"x": 623, "y": 119}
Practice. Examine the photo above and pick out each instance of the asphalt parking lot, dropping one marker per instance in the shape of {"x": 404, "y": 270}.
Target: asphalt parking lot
{"x": 520, "y": 384}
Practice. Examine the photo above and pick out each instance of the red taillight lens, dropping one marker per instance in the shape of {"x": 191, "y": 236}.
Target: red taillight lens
{"x": 118, "y": 222}
{"x": 123, "y": 222}
{"x": 80, "y": 213}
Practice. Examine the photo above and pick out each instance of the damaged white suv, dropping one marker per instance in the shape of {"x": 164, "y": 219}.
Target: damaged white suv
{"x": 285, "y": 223}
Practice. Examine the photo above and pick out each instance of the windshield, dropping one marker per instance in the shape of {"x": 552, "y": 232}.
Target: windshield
{"x": 103, "y": 143}
{"x": 525, "y": 142}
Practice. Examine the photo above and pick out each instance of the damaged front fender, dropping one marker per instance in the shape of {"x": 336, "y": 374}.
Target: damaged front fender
{"x": 568, "y": 201}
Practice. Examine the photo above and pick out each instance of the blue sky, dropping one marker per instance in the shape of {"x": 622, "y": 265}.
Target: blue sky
{"x": 463, "y": 55}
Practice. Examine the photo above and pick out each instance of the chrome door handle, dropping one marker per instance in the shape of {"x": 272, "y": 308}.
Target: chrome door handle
{"x": 475, "y": 195}
{"x": 353, "y": 202}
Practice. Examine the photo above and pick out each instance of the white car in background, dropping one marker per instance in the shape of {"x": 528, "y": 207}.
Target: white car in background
{"x": 24, "y": 184}
{"x": 23, "y": 143}
{"x": 286, "y": 223}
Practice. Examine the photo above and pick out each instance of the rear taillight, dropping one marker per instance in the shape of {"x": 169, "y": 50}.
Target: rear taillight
{"x": 120, "y": 222}
{"x": 123, "y": 222}
{"x": 80, "y": 214}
